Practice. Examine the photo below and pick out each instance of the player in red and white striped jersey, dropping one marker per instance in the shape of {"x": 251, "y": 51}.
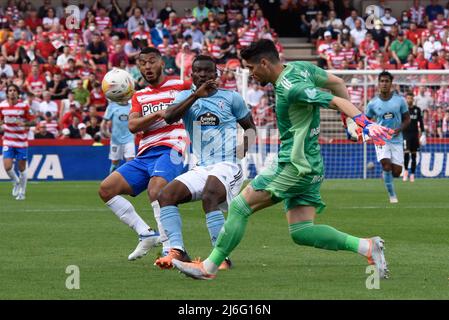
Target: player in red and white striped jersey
{"x": 14, "y": 116}
{"x": 159, "y": 158}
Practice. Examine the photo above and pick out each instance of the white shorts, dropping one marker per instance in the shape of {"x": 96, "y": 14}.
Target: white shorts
{"x": 392, "y": 151}
{"x": 230, "y": 174}
{"x": 122, "y": 151}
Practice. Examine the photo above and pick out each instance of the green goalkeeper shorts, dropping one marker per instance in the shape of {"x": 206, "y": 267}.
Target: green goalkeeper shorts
{"x": 281, "y": 180}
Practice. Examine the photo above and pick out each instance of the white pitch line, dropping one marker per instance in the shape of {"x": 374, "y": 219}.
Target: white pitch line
{"x": 395, "y": 207}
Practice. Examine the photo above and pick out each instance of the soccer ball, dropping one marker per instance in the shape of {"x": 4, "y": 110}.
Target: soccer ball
{"x": 118, "y": 85}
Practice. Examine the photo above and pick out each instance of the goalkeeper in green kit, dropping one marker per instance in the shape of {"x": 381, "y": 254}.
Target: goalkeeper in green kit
{"x": 296, "y": 176}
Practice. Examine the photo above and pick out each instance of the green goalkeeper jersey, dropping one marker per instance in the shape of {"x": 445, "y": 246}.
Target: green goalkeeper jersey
{"x": 298, "y": 102}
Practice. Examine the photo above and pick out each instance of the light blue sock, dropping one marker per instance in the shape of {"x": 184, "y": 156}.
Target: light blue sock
{"x": 215, "y": 221}
{"x": 388, "y": 180}
{"x": 171, "y": 221}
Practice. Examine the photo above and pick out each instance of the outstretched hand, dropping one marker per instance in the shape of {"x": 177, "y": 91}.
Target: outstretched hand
{"x": 374, "y": 130}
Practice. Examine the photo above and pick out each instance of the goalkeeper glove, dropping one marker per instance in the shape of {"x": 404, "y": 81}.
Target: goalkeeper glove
{"x": 373, "y": 130}
{"x": 423, "y": 139}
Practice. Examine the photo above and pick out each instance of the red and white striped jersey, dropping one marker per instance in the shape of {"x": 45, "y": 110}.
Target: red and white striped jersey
{"x": 247, "y": 37}
{"x": 215, "y": 51}
{"x": 439, "y": 25}
{"x": 442, "y": 96}
{"x": 14, "y": 118}
{"x": 188, "y": 20}
{"x": 142, "y": 35}
{"x": 229, "y": 84}
{"x": 349, "y": 53}
{"x": 356, "y": 95}
{"x": 165, "y": 50}
{"x": 336, "y": 59}
{"x": 52, "y": 127}
{"x": 103, "y": 23}
{"x": 417, "y": 14}
{"x": 153, "y": 99}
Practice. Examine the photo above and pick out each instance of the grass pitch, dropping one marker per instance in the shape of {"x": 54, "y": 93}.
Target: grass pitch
{"x": 65, "y": 223}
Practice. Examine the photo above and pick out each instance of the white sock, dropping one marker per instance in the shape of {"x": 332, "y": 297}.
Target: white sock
{"x": 157, "y": 216}
{"x": 12, "y": 174}
{"x": 23, "y": 180}
{"x": 364, "y": 246}
{"x": 210, "y": 267}
{"x": 125, "y": 211}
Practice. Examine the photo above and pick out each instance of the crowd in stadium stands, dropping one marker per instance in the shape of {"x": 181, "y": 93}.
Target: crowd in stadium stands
{"x": 417, "y": 39}
{"x": 59, "y": 62}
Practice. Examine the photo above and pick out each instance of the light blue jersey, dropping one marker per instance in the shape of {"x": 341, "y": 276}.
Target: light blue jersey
{"x": 388, "y": 113}
{"x": 119, "y": 114}
{"x": 212, "y": 125}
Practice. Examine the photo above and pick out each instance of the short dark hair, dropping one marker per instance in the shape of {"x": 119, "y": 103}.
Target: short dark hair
{"x": 148, "y": 50}
{"x": 202, "y": 57}
{"x": 263, "y": 48}
{"x": 410, "y": 93}
{"x": 385, "y": 73}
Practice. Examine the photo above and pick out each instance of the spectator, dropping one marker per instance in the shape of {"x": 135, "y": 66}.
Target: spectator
{"x": 423, "y": 100}
{"x": 356, "y": 94}
{"x": 42, "y": 132}
{"x": 333, "y": 23}
{"x": 228, "y": 81}
{"x": 430, "y": 46}
{"x": 133, "y": 21}
{"x": 349, "y": 53}
{"x": 433, "y": 9}
{"x": 73, "y": 128}
{"x": 97, "y": 98}
{"x": 35, "y": 82}
{"x": 93, "y": 126}
{"x": 158, "y": 32}
{"x": 83, "y": 132}
{"x": 172, "y": 23}
{"x": 165, "y": 12}
{"x": 65, "y": 134}
{"x": 246, "y": 35}
{"x": 307, "y": 15}
{"x": 350, "y": 21}
{"x": 211, "y": 34}
{"x": 92, "y": 114}
{"x": 200, "y": 12}
{"x": 47, "y": 105}
{"x": 358, "y": 33}
{"x": 400, "y": 49}
{"x": 97, "y": 141}
{"x": 336, "y": 57}
{"x": 50, "y": 19}
{"x": 89, "y": 32}
{"x": 417, "y": 12}
{"x": 368, "y": 46}
{"x": 10, "y": 51}
{"x": 324, "y": 48}
{"x": 143, "y": 36}
{"x": 188, "y": 59}
{"x": 263, "y": 114}
{"x": 413, "y": 34}
{"x": 149, "y": 12}
{"x": 195, "y": 33}
{"x": 20, "y": 78}
{"x": 380, "y": 35}
{"x": 33, "y": 21}
{"x": 50, "y": 124}
{"x": 58, "y": 87}
{"x": 118, "y": 56}
{"x": 222, "y": 22}
{"x": 68, "y": 103}
{"x": 5, "y": 68}
{"x": 404, "y": 21}
{"x": 411, "y": 63}
{"x": 81, "y": 95}
{"x": 440, "y": 23}
{"x": 388, "y": 20}
{"x": 67, "y": 118}
{"x": 44, "y": 48}
{"x": 98, "y": 50}
{"x": 317, "y": 26}
{"x": 102, "y": 20}
{"x": 132, "y": 50}
{"x": 21, "y": 27}
{"x": 228, "y": 47}
{"x": 63, "y": 58}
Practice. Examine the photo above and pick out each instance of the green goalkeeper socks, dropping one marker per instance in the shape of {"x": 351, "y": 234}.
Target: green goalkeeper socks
{"x": 233, "y": 230}
{"x": 322, "y": 236}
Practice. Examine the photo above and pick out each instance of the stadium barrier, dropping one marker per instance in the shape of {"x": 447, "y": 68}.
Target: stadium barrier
{"x": 79, "y": 160}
